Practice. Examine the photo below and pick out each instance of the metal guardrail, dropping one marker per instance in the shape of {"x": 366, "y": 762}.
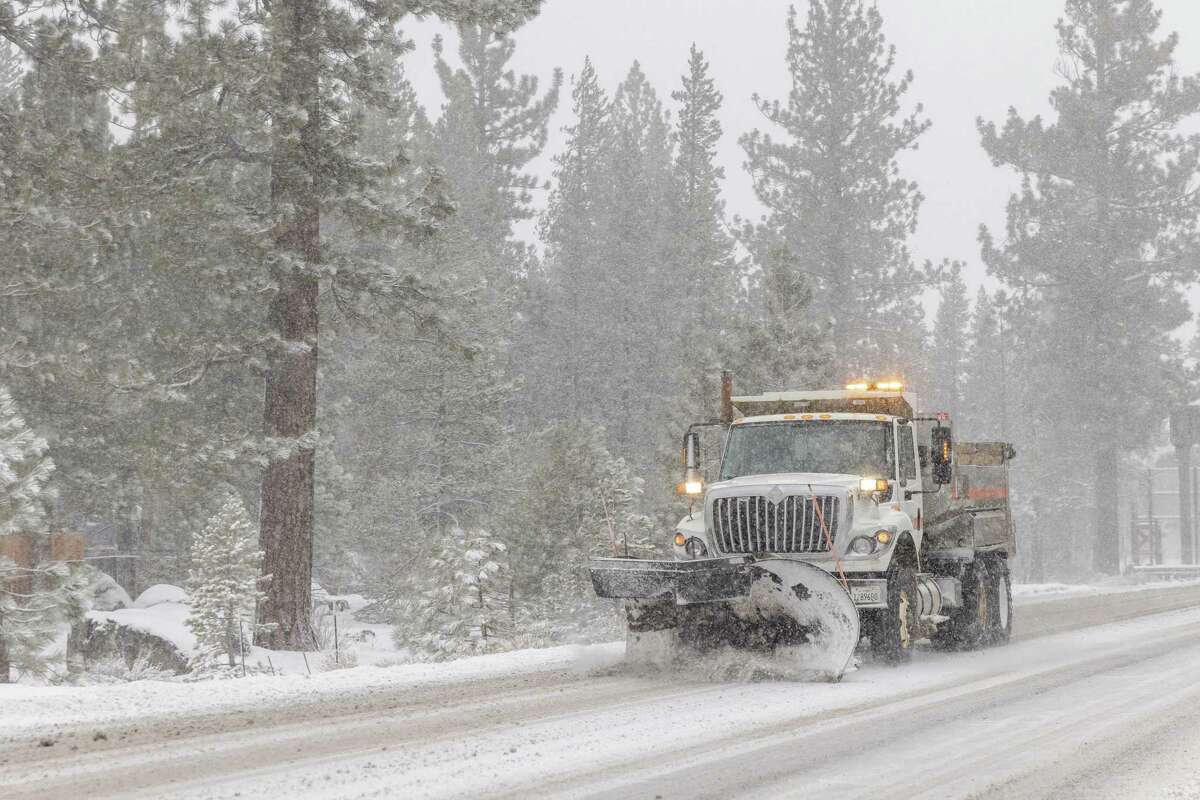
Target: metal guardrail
{"x": 1166, "y": 572}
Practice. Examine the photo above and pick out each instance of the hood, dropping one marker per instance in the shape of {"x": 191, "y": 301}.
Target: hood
{"x": 792, "y": 481}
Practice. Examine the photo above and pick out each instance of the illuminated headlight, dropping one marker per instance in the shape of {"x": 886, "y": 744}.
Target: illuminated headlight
{"x": 693, "y": 488}
{"x": 873, "y": 485}
{"x": 695, "y": 548}
{"x": 862, "y": 545}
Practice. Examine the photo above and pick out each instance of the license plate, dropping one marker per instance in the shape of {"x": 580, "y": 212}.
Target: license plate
{"x": 868, "y": 594}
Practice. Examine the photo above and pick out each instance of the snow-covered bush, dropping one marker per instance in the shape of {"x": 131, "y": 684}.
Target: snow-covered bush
{"x": 224, "y": 584}
{"x": 466, "y": 606}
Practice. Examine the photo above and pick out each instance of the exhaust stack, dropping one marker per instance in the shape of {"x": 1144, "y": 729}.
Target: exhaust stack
{"x": 726, "y": 396}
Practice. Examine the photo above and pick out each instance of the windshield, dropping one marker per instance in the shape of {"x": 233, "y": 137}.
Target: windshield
{"x": 849, "y": 447}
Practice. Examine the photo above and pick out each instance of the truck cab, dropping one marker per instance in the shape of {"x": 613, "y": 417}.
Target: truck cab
{"x": 842, "y": 489}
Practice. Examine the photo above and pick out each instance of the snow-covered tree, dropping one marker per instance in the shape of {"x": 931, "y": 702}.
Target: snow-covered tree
{"x": 578, "y": 501}
{"x": 36, "y": 597}
{"x": 708, "y": 277}
{"x": 447, "y": 391}
{"x": 224, "y": 584}
{"x": 1102, "y": 238}
{"x": 986, "y": 391}
{"x": 466, "y": 605}
{"x": 950, "y": 345}
{"x": 559, "y": 369}
{"x": 25, "y": 469}
{"x": 614, "y": 286}
{"x": 832, "y": 186}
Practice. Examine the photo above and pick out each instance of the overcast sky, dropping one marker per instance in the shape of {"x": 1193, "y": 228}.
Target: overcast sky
{"x": 970, "y": 58}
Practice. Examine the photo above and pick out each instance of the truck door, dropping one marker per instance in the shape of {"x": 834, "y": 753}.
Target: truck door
{"x": 909, "y": 473}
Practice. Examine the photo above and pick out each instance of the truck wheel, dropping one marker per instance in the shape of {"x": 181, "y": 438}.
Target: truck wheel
{"x": 971, "y": 626}
{"x": 895, "y": 628}
{"x": 1002, "y": 605}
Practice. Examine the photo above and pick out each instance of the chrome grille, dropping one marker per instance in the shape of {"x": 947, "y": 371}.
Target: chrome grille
{"x": 754, "y": 524}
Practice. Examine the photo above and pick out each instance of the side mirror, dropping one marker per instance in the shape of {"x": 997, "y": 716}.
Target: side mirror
{"x": 942, "y": 455}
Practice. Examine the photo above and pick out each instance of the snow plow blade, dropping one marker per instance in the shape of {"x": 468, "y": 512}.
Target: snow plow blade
{"x": 791, "y": 607}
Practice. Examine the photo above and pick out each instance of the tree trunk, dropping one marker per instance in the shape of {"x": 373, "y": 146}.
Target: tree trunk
{"x": 1107, "y": 554}
{"x": 290, "y": 412}
{"x": 4, "y": 670}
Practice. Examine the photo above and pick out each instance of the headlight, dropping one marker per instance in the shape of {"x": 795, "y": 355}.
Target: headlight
{"x": 862, "y": 545}
{"x": 695, "y": 548}
{"x": 693, "y": 488}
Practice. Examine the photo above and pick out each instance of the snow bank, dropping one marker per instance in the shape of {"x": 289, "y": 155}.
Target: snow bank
{"x": 25, "y": 710}
{"x": 160, "y": 593}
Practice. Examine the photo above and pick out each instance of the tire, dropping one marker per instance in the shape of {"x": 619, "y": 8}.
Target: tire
{"x": 1001, "y": 592}
{"x": 974, "y": 624}
{"x": 894, "y": 631}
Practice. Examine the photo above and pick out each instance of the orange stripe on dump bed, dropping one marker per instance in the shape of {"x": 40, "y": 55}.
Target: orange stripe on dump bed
{"x": 987, "y": 493}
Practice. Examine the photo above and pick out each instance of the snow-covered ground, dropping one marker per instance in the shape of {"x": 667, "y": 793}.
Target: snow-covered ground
{"x": 1040, "y": 718}
{"x": 53, "y": 709}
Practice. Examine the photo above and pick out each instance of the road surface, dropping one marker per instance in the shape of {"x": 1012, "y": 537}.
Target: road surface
{"x": 1105, "y": 711}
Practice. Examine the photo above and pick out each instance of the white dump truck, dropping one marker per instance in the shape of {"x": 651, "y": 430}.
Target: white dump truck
{"x": 834, "y": 514}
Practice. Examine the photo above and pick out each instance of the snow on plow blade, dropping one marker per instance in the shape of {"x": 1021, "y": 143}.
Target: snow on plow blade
{"x": 806, "y": 615}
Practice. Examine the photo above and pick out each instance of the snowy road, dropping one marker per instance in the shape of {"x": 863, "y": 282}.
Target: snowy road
{"x": 1108, "y": 711}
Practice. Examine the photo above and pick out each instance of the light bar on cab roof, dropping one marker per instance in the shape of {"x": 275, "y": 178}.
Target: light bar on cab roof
{"x": 877, "y": 386}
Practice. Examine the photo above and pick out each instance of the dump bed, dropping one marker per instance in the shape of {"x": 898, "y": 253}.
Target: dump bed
{"x": 973, "y": 511}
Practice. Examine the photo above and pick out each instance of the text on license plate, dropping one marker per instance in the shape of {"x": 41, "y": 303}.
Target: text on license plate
{"x": 866, "y": 594}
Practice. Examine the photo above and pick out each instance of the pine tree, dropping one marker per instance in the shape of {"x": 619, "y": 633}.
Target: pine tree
{"x": 950, "y": 345}
{"x": 574, "y": 265}
{"x": 223, "y": 585}
{"x": 24, "y": 471}
{"x": 1102, "y": 237}
{"x": 35, "y": 601}
{"x": 467, "y": 610}
{"x": 985, "y": 387}
{"x": 832, "y": 186}
{"x": 609, "y": 235}
{"x": 703, "y": 263}
{"x": 633, "y": 378}
{"x": 578, "y": 501}
{"x": 449, "y": 391}
{"x": 786, "y": 344}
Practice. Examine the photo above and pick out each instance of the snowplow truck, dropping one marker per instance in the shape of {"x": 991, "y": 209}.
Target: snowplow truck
{"x": 834, "y": 515}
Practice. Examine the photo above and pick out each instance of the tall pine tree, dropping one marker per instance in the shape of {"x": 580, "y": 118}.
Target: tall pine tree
{"x": 950, "y": 345}
{"x": 831, "y": 184}
{"x": 1103, "y": 236}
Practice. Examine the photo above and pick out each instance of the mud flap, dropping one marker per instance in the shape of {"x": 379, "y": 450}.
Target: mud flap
{"x": 802, "y": 597}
